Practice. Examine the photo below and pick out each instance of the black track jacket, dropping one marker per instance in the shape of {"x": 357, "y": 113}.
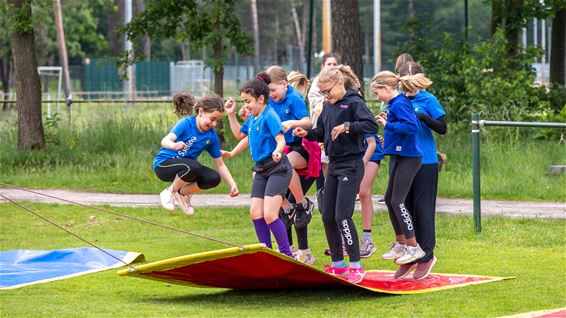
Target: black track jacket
{"x": 353, "y": 109}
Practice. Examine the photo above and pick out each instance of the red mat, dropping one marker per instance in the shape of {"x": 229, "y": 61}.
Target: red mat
{"x": 258, "y": 267}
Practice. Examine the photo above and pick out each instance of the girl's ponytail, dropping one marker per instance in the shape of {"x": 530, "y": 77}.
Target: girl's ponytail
{"x": 184, "y": 104}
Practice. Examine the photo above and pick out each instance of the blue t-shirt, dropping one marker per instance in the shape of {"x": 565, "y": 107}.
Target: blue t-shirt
{"x": 291, "y": 107}
{"x": 196, "y": 142}
{"x": 378, "y": 153}
{"x": 425, "y": 102}
{"x": 261, "y": 133}
{"x": 400, "y": 133}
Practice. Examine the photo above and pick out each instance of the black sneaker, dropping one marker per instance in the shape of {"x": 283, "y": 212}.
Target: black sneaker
{"x": 287, "y": 218}
{"x": 303, "y": 213}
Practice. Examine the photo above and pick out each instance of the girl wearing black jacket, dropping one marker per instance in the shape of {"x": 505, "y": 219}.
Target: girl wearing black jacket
{"x": 341, "y": 127}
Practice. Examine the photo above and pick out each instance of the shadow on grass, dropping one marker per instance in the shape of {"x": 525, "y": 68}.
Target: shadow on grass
{"x": 262, "y": 297}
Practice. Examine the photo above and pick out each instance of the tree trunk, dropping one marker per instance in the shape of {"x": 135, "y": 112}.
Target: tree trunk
{"x": 139, "y": 7}
{"x": 300, "y": 39}
{"x": 63, "y": 59}
{"x": 255, "y": 27}
{"x": 346, "y": 34}
{"x": 558, "y": 49}
{"x": 218, "y": 75}
{"x": 5, "y": 67}
{"x": 28, "y": 91}
{"x": 513, "y": 26}
{"x": 496, "y": 19}
{"x": 115, "y": 20}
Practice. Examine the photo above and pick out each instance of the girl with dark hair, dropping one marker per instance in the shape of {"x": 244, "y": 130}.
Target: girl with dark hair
{"x": 272, "y": 168}
{"x": 176, "y": 161}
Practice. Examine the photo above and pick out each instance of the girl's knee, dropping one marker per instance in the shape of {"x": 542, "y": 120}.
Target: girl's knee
{"x": 211, "y": 180}
{"x": 364, "y": 193}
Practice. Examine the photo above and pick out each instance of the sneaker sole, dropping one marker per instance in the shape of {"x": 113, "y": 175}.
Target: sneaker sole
{"x": 407, "y": 272}
{"x": 429, "y": 270}
{"x": 410, "y": 260}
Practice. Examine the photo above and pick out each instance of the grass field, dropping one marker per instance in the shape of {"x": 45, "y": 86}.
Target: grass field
{"x": 110, "y": 148}
{"x": 531, "y": 250}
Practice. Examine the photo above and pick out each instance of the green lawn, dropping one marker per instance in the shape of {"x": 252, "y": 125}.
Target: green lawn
{"x": 532, "y": 250}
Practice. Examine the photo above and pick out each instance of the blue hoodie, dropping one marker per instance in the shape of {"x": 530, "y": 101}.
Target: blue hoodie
{"x": 402, "y": 128}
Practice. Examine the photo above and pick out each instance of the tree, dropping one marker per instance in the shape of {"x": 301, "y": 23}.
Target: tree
{"x": 346, "y": 34}
{"x": 28, "y": 91}
{"x": 558, "y": 49}
{"x": 201, "y": 23}
{"x": 62, "y": 48}
{"x": 5, "y": 55}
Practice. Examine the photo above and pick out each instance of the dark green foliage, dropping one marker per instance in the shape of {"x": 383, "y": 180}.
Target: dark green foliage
{"x": 192, "y": 21}
{"x": 480, "y": 78}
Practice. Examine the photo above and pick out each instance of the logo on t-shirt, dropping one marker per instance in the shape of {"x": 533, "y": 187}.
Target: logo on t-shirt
{"x": 343, "y": 106}
{"x": 398, "y": 148}
{"x": 183, "y": 152}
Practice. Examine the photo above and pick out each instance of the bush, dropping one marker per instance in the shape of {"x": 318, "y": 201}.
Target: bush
{"x": 483, "y": 79}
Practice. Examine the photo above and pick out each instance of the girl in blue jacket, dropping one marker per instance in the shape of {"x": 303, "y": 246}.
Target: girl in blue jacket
{"x": 421, "y": 200}
{"x": 401, "y": 144}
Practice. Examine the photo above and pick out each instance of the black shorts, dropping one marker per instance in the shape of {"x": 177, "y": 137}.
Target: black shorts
{"x": 271, "y": 178}
{"x": 297, "y": 147}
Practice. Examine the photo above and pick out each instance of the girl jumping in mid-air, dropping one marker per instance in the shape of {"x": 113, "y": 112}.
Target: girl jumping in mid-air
{"x": 272, "y": 169}
{"x": 177, "y": 162}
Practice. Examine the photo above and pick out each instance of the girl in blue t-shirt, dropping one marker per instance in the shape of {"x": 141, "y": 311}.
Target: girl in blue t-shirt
{"x": 400, "y": 127}
{"x": 421, "y": 199}
{"x": 176, "y": 161}
{"x": 272, "y": 168}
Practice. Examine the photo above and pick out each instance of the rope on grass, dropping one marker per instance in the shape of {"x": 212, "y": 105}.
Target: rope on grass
{"x": 64, "y": 229}
{"x": 124, "y": 216}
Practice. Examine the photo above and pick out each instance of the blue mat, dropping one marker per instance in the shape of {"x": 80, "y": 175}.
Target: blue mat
{"x": 19, "y": 268}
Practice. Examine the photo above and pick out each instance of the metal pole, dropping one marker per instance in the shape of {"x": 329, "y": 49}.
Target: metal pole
{"x": 326, "y": 26}
{"x": 376, "y": 36}
{"x": 309, "y": 41}
{"x": 128, "y": 47}
{"x": 476, "y": 171}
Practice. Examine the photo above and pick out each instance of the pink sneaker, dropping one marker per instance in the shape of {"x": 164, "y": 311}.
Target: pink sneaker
{"x": 356, "y": 275}
{"x": 340, "y": 272}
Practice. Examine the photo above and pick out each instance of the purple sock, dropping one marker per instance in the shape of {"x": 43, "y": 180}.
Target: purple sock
{"x": 280, "y": 233}
{"x": 262, "y": 232}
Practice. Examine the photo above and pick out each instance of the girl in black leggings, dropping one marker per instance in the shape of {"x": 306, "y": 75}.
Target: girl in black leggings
{"x": 400, "y": 142}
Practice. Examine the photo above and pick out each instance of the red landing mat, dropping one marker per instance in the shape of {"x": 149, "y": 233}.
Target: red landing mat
{"x": 254, "y": 267}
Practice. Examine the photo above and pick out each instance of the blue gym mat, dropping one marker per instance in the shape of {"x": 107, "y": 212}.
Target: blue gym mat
{"x": 19, "y": 268}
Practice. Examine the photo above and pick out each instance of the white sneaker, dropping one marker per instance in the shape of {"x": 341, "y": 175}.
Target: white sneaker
{"x": 305, "y": 257}
{"x": 167, "y": 199}
{"x": 396, "y": 251}
{"x": 412, "y": 253}
{"x": 184, "y": 202}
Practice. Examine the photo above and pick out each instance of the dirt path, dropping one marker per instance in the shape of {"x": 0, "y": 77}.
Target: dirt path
{"x": 546, "y": 210}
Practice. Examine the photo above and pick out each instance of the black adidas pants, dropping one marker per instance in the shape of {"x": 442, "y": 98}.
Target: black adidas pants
{"x": 340, "y": 189}
{"x": 421, "y": 202}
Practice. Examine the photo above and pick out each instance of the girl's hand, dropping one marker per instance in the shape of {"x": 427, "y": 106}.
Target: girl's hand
{"x": 179, "y": 145}
{"x": 336, "y": 131}
{"x": 380, "y": 140}
{"x": 299, "y": 132}
{"x": 234, "y": 191}
{"x": 381, "y": 118}
{"x": 287, "y": 125}
{"x": 276, "y": 155}
{"x": 244, "y": 113}
{"x": 230, "y": 106}
{"x": 226, "y": 154}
